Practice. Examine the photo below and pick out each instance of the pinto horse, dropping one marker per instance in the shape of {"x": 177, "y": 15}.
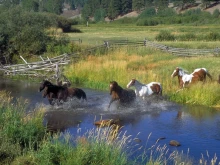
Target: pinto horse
{"x": 143, "y": 90}
{"x": 184, "y": 78}
{"x": 52, "y": 92}
{"x": 124, "y": 96}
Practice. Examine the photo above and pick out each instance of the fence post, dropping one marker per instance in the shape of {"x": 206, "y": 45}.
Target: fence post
{"x": 106, "y": 44}
{"x": 41, "y": 58}
{"x": 25, "y": 61}
{"x": 145, "y": 44}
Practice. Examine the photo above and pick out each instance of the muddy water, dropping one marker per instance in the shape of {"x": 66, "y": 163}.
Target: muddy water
{"x": 197, "y": 128}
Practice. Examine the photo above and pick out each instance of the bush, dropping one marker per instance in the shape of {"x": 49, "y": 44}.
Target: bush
{"x": 216, "y": 13}
{"x": 165, "y": 36}
{"x": 149, "y": 12}
{"x": 188, "y": 37}
{"x": 212, "y": 36}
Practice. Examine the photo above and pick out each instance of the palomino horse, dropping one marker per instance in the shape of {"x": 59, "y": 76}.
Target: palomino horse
{"x": 143, "y": 90}
{"x": 124, "y": 96}
{"x": 52, "y": 92}
{"x": 184, "y": 78}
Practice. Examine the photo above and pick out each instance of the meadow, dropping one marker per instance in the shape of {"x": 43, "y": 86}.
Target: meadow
{"x": 95, "y": 34}
{"x": 147, "y": 64}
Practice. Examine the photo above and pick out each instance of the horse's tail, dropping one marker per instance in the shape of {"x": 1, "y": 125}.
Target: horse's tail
{"x": 209, "y": 75}
{"x": 84, "y": 95}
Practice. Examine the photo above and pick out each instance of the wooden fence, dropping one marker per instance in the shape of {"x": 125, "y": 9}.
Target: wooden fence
{"x": 45, "y": 66}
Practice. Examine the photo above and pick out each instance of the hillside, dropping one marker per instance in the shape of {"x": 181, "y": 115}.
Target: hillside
{"x": 76, "y": 13}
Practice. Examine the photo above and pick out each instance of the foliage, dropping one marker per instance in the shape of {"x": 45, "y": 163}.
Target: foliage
{"x": 149, "y": 12}
{"x": 25, "y": 32}
{"x": 216, "y": 13}
{"x": 99, "y": 15}
{"x": 165, "y": 36}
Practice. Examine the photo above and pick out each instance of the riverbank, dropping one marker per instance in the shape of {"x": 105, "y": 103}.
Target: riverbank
{"x": 148, "y": 65}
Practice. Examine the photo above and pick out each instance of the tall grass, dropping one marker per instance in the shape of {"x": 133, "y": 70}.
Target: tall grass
{"x": 147, "y": 65}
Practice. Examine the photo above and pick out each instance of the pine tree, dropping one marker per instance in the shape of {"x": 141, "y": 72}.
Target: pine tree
{"x": 137, "y": 5}
{"x": 126, "y": 6}
{"x": 114, "y": 9}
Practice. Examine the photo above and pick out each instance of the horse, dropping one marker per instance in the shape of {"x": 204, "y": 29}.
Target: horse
{"x": 143, "y": 90}
{"x": 60, "y": 92}
{"x": 198, "y": 74}
{"x": 124, "y": 96}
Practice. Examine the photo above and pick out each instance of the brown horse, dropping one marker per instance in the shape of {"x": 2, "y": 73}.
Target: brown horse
{"x": 53, "y": 92}
{"x": 197, "y": 75}
{"x": 124, "y": 96}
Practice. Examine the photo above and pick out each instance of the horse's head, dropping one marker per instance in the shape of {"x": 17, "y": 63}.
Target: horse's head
{"x": 43, "y": 84}
{"x": 175, "y": 72}
{"x": 113, "y": 86}
{"x": 131, "y": 83}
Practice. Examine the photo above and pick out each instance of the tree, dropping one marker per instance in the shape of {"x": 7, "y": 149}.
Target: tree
{"x": 30, "y": 5}
{"x": 52, "y": 6}
{"x": 161, "y": 4}
{"x": 114, "y": 9}
{"x": 100, "y": 15}
{"x": 137, "y": 5}
{"x": 86, "y": 12}
{"x": 126, "y": 6}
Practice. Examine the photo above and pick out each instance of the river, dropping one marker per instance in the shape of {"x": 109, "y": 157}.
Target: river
{"x": 197, "y": 128}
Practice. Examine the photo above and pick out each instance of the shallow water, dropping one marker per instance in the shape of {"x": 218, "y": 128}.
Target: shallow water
{"x": 197, "y": 128}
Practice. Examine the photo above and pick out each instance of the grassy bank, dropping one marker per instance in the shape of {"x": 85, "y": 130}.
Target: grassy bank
{"x": 147, "y": 65}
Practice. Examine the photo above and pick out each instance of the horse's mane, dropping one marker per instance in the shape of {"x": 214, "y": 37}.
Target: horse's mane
{"x": 184, "y": 70}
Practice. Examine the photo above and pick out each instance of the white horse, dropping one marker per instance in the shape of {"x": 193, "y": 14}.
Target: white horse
{"x": 144, "y": 90}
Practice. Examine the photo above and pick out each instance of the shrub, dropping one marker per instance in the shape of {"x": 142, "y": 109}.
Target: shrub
{"x": 212, "y": 36}
{"x": 165, "y": 36}
{"x": 216, "y": 13}
{"x": 188, "y": 37}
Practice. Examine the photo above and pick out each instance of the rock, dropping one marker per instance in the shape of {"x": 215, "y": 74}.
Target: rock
{"x": 174, "y": 143}
{"x": 137, "y": 140}
{"x": 107, "y": 122}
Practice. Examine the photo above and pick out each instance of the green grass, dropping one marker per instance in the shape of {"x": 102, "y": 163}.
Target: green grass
{"x": 95, "y": 34}
{"x": 147, "y": 65}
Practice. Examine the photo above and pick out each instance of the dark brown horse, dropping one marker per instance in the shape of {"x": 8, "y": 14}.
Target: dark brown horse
{"x": 197, "y": 75}
{"x": 124, "y": 96}
{"x": 56, "y": 92}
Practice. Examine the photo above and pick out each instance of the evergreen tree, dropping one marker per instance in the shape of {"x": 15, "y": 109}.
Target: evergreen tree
{"x": 52, "y": 6}
{"x": 105, "y": 4}
{"x": 86, "y": 11}
{"x": 30, "y": 5}
{"x": 126, "y": 6}
{"x": 137, "y": 5}
{"x": 161, "y": 4}
{"x": 114, "y": 9}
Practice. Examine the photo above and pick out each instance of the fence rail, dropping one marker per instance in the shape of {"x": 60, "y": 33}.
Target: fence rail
{"x": 51, "y": 64}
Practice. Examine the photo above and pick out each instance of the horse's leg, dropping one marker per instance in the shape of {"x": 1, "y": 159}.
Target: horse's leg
{"x": 111, "y": 102}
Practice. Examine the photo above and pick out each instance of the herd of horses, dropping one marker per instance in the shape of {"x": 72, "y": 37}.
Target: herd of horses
{"x": 60, "y": 93}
